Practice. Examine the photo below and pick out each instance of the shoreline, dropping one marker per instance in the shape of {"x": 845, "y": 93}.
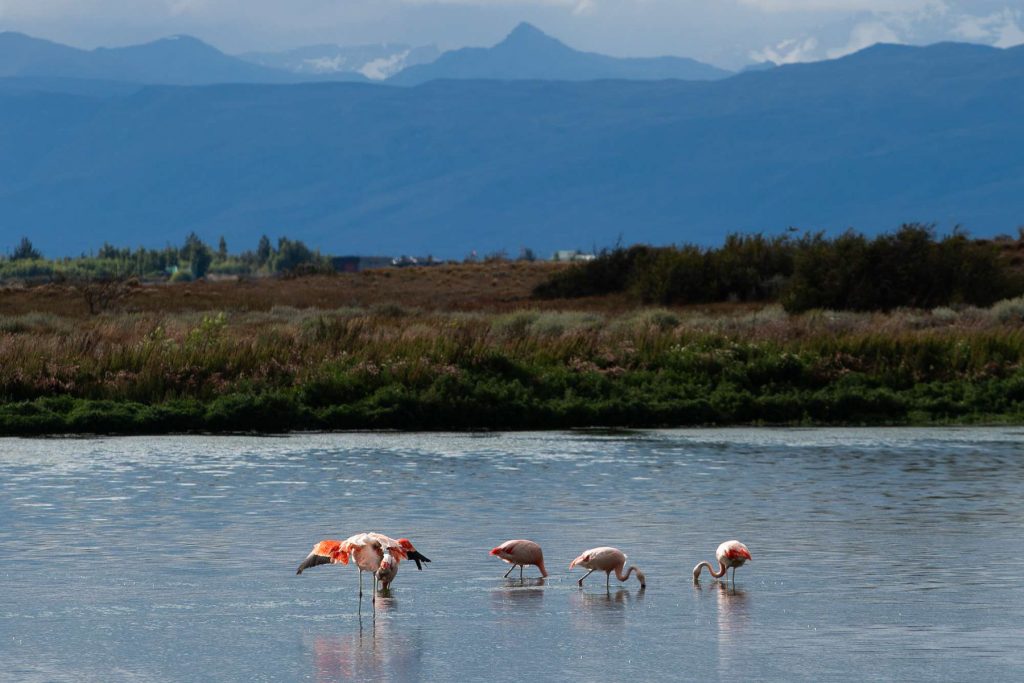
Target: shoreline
{"x": 89, "y": 419}
{"x": 572, "y": 431}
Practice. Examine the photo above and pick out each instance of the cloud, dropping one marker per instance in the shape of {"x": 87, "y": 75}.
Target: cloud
{"x": 1002, "y": 28}
{"x": 836, "y": 5}
{"x": 788, "y": 51}
{"x": 583, "y": 7}
{"x": 992, "y": 22}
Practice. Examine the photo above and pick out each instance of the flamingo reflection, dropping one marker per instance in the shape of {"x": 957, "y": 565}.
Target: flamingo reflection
{"x": 518, "y": 594}
{"x": 376, "y": 651}
{"x": 592, "y": 610}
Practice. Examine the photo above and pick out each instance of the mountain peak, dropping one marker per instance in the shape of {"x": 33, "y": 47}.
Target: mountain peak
{"x": 180, "y": 38}
{"x": 526, "y": 34}
{"x": 178, "y": 42}
{"x": 529, "y": 53}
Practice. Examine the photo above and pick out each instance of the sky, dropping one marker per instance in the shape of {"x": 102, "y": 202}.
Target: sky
{"x": 728, "y": 33}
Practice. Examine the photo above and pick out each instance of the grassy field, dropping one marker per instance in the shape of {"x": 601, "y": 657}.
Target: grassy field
{"x": 465, "y": 347}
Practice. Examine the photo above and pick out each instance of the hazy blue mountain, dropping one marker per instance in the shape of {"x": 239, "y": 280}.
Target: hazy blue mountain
{"x": 374, "y": 62}
{"x": 890, "y": 134}
{"x": 528, "y": 53}
{"x": 71, "y": 86}
{"x": 759, "y": 66}
{"x": 180, "y": 60}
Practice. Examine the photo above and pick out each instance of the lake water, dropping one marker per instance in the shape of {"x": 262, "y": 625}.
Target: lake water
{"x": 878, "y": 554}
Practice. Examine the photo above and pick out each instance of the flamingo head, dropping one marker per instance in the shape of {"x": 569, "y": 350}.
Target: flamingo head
{"x": 411, "y": 553}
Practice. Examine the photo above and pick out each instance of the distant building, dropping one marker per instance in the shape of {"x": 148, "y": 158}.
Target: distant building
{"x": 355, "y": 264}
{"x": 404, "y": 260}
{"x": 572, "y": 255}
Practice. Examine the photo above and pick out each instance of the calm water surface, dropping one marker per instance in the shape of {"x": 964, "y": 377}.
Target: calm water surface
{"x": 878, "y": 554}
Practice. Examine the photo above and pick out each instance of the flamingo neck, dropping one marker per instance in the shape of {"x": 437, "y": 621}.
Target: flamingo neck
{"x": 720, "y": 572}
{"x": 543, "y": 571}
{"x": 624, "y": 577}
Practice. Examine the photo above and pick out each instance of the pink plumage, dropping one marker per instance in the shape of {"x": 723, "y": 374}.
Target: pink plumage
{"x": 519, "y": 553}
{"x": 607, "y": 560}
{"x": 731, "y": 554}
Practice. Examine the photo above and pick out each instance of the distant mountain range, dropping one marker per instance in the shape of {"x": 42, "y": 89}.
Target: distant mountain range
{"x": 179, "y": 60}
{"x": 528, "y": 53}
{"x": 375, "y": 62}
{"x": 886, "y": 135}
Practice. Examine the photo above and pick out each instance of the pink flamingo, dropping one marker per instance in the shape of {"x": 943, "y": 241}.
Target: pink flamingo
{"x": 388, "y": 569}
{"x": 520, "y": 552}
{"x": 372, "y": 552}
{"x": 729, "y": 554}
{"x": 607, "y": 560}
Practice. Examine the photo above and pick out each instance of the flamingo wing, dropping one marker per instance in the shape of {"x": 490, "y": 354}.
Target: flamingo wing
{"x": 324, "y": 552}
{"x": 520, "y": 551}
{"x": 506, "y": 551}
{"x": 734, "y": 550}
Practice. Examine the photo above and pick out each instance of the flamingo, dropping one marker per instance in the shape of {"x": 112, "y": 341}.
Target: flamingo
{"x": 520, "y": 552}
{"x": 607, "y": 560}
{"x": 372, "y": 552}
{"x": 729, "y": 554}
{"x": 389, "y": 563}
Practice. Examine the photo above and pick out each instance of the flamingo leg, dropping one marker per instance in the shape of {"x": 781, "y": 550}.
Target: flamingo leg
{"x": 520, "y": 572}
{"x": 608, "y": 581}
{"x": 509, "y": 571}
{"x": 580, "y": 582}
{"x": 360, "y": 583}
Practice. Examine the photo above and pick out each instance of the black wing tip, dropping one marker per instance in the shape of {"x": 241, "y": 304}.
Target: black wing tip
{"x": 312, "y": 561}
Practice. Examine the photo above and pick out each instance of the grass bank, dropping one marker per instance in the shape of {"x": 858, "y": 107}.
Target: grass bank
{"x": 387, "y": 367}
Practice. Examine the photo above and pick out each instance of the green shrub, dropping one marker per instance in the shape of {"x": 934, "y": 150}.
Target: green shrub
{"x": 910, "y": 267}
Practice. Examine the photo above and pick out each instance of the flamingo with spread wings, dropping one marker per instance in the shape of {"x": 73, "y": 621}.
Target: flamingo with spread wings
{"x": 372, "y": 552}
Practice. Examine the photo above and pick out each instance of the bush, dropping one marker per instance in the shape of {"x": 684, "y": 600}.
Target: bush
{"x": 1009, "y": 309}
{"x": 611, "y": 271}
{"x": 906, "y": 268}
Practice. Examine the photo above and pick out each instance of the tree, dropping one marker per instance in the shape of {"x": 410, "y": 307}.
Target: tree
{"x": 222, "y": 250}
{"x": 291, "y": 254}
{"x": 201, "y": 260}
{"x": 25, "y": 251}
{"x": 197, "y": 254}
{"x": 263, "y": 251}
